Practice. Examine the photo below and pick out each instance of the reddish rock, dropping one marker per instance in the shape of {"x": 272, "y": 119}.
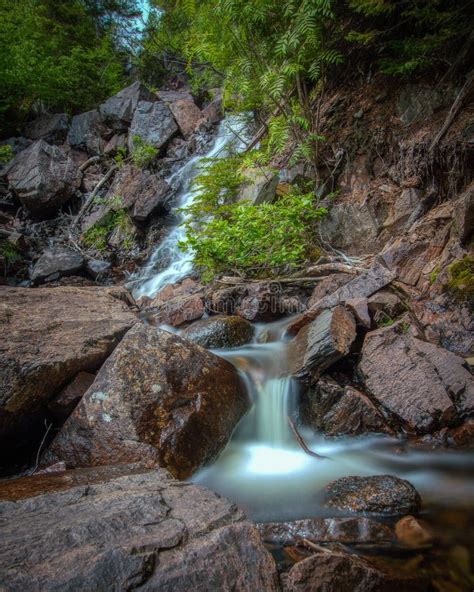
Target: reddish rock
{"x": 158, "y": 398}
{"x": 360, "y": 310}
{"x": 412, "y": 532}
{"x": 260, "y": 303}
{"x": 385, "y": 303}
{"x": 63, "y": 405}
{"x": 175, "y": 306}
{"x": 220, "y": 332}
{"x": 328, "y": 286}
{"x": 187, "y": 115}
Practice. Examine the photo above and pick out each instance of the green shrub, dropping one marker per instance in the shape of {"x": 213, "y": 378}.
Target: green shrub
{"x": 6, "y": 153}
{"x": 461, "y": 277}
{"x": 97, "y": 236}
{"x": 142, "y": 154}
{"x": 9, "y": 253}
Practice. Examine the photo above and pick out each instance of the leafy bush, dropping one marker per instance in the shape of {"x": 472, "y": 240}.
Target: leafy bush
{"x": 6, "y": 153}
{"x": 143, "y": 154}
{"x": 97, "y": 236}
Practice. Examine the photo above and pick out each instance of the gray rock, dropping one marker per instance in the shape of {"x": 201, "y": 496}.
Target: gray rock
{"x": 418, "y": 101}
{"x": 118, "y": 110}
{"x": 88, "y": 132}
{"x": 187, "y": 115}
{"x": 122, "y": 532}
{"x": 56, "y": 263}
{"x": 464, "y": 215}
{"x": 43, "y": 177}
{"x": 153, "y": 123}
{"x": 220, "y": 332}
{"x": 17, "y": 144}
{"x": 52, "y": 128}
{"x": 259, "y": 186}
{"x": 97, "y": 268}
{"x": 379, "y": 494}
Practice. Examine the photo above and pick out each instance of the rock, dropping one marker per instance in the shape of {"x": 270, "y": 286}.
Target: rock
{"x": 88, "y": 132}
{"x": 128, "y": 530}
{"x": 220, "y": 332}
{"x": 328, "y": 286}
{"x": 385, "y": 304}
{"x": 259, "y": 185}
{"x": 43, "y": 177}
{"x": 52, "y": 128}
{"x": 224, "y": 300}
{"x": 214, "y": 112}
{"x": 321, "y": 343}
{"x": 158, "y": 398}
{"x": 424, "y": 386}
{"x": 341, "y": 572}
{"x": 118, "y": 110}
{"x": 260, "y": 302}
{"x": 49, "y": 335}
{"x": 335, "y": 410}
{"x": 380, "y": 494}
{"x": 464, "y": 215}
{"x": 412, "y": 532}
{"x": 176, "y": 304}
{"x": 117, "y": 142}
{"x": 153, "y": 123}
{"x": 177, "y": 149}
{"x": 187, "y": 115}
{"x": 17, "y": 144}
{"x": 97, "y": 268}
{"x": 325, "y": 530}
{"x": 360, "y": 310}
{"x": 419, "y": 101}
{"x": 55, "y": 263}
{"x": 63, "y": 405}
{"x": 171, "y": 96}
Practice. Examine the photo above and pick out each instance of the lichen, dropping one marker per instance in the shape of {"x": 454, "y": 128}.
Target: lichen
{"x": 461, "y": 277}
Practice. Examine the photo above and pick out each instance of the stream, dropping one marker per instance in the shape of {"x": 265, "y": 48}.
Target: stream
{"x": 263, "y": 469}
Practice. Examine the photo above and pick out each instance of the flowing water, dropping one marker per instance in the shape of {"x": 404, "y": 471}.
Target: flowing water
{"x": 263, "y": 468}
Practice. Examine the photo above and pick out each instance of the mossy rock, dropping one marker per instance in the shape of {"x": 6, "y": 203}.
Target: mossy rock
{"x": 461, "y": 277}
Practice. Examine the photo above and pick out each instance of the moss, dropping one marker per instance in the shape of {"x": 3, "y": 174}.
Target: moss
{"x": 461, "y": 277}
{"x": 434, "y": 274}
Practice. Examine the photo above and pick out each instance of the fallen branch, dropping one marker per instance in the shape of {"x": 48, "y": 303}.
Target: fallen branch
{"x": 285, "y": 280}
{"x": 325, "y": 268}
{"x": 92, "y": 160}
{"x": 312, "y": 546}
{"x": 302, "y": 443}
{"x": 91, "y": 197}
{"x": 35, "y": 468}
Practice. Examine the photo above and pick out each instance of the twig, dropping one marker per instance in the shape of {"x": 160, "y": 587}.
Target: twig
{"x": 91, "y": 197}
{"x": 302, "y": 443}
{"x": 325, "y": 268}
{"x": 35, "y": 468}
{"x": 89, "y": 162}
{"x": 313, "y": 546}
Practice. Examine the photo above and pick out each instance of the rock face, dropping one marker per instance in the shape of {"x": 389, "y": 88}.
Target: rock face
{"x": 335, "y": 410}
{"x": 220, "y": 332}
{"x": 87, "y": 132}
{"x": 56, "y": 263}
{"x": 187, "y": 115}
{"x": 43, "y": 177}
{"x": 380, "y": 494}
{"x": 321, "y": 343}
{"x": 157, "y": 398}
{"x": 118, "y": 110}
{"x": 49, "y": 335}
{"x": 50, "y": 128}
{"x": 153, "y": 123}
{"x": 127, "y": 532}
{"x": 63, "y": 405}
{"x": 426, "y": 387}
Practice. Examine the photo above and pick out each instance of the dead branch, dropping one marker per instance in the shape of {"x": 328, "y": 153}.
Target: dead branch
{"x": 313, "y": 546}
{"x": 302, "y": 443}
{"x": 89, "y": 162}
{"x": 91, "y": 197}
{"x": 325, "y": 268}
{"x": 294, "y": 280}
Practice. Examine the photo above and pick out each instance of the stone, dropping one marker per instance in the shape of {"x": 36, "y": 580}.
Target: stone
{"x": 214, "y": 112}
{"x": 342, "y": 572}
{"x": 49, "y": 335}
{"x": 259, "y": 186}
{"x": 423, "y": 386}
{"x": 17, "y": 144}
{"x": 224, "y": 300}
{"x": 177, "y": 149}
{"x": 334, "y": 410}
{"x": 88, "y": 132}
{"x": 260, "y": 302}
{"x": 56, "y": 263}
{"x": 187, "y": 115}
{"x": 419, "y": 101}
{"x": 321, "y": 343}
{"x": 325, "y": 530}
{"x": 176, "y": 304}
{"x": 413, "y": 532}
{"x": 63, "y": 405}
{"x": 120, "y": 529}
{"x": 171, "y": 96}
{"x": 220, "y": 332}
{"x": 158, "y": 398}
{"x": 118, "y": 110}
{"x": 464, "y": 215}
{"x": 52, "y": 128}
{"x": 97, "y": 268}
{"x": 328, "y": 286}
{"x": 360, "y": 310}
{"x": 117, "y": 142}
{"x": 385, "y": 304}
{"x": 153, "y": 123}
{"x": 43, "y": 177}
{"x": 379, "y": 494}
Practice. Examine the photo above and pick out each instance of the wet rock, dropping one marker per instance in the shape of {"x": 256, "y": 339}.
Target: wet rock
{"x": 63, "y": 405}
{"x": 335, "y": 410}
{"x": 214, "y": 112}
{"x": 49, "y": 335}
{"x": 118, "y": 110}
{"x": 412, "y": 532}
{"x": 224, "y": 300}
{"x": 424, "y": 386}
{"x": 176, "y": 311}
{"x": 360, "y": 309}
{"x": 464, "y": 215}
{"x": 52, "y": 128}
{"x": 220, "y": 332}
{"x": 380, "y": 494}
{"x": 127, "y": 530}
{"x": 97, "y": 268}
{"x": 341, "y": 572}
{"x": 177, "y": 149}
{"x": 259, "y": 186}
{"x": 88, "y": 132}
{"x": 458, "y": 438}
{"x": 385, "y": 303}
{"x": 187, "y": 115}
{"x": 43, "y": 177}
{"x": 153, "y": 123}
{"x": 56, "y": 263}
{"x": 158, "y": 398}
{"x": 321, "y": 343}
{"x": 325, "y": 530}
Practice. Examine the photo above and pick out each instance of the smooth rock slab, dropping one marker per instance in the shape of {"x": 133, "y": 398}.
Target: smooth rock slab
{"x": 158, "y": 398}
{"x": 138, "y": 531}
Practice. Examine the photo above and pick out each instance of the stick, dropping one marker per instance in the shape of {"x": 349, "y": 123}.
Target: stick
{"x": 89, "y": 200}
{"x": 313, "y": 546}
{"x": 302, "y": 443}
{"x": 334, "y": 268}
{"x": 89, "y": 162}
{"x": 295, "y": 280}
{"x": 35, "y": 468}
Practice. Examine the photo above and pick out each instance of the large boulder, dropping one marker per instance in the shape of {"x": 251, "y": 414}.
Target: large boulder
{"x": 187, "y": 115}
{"x": 153, "y": 123}
{"x": 220, "y": 332}
{"x": 88, "y": 132}
{"x": 176, "y": 304}
{"x": 43, "y": 177}
{"x": 424, "y": 386}
{"x": 380, "y": 494}
{"x": 121, "y": 530}
{"x": 157, "y": 398}
{"x": 56, "y": 263}
{"x": 52, "y": 128}
{"x": 49, "y": 335}
{"x": 118, "y": 110}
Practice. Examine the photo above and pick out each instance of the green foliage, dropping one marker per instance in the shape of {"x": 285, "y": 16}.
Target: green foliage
{"x": 6, "y": 153}
{"x": 461, "y": 277}
{"x": 9, "y": 253}
{"x": 143, "y": 154}
{"x": 434, "y": 274}
{"x": 97, "y": 236}
{"x": 121, "y": 156}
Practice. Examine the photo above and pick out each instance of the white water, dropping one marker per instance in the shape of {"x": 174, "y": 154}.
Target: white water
{"x": 232, "y": 135}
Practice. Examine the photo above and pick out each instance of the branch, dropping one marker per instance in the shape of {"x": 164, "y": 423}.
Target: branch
{"x": 302, "y": 443}
{"x": 91, "y": 197}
